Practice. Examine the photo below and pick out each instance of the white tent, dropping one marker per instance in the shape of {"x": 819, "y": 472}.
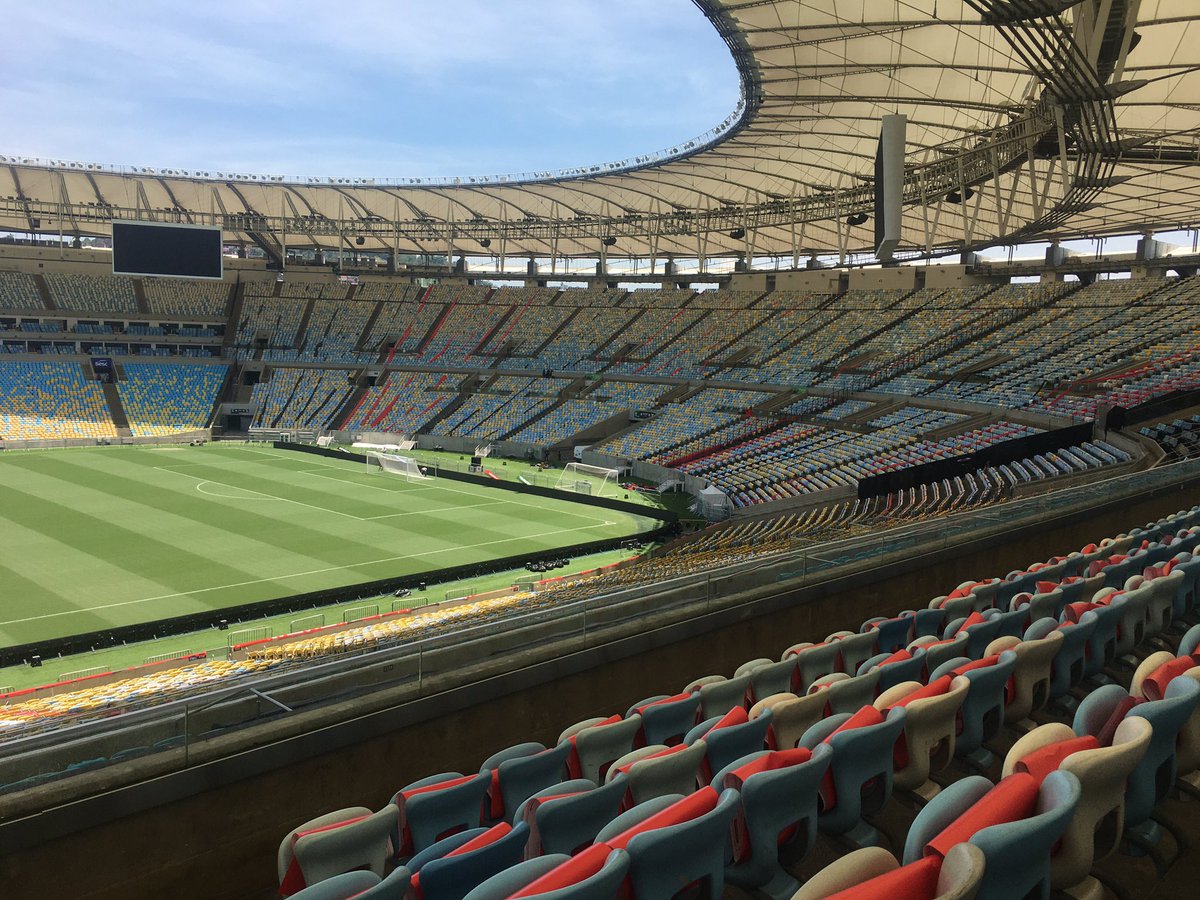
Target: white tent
{"x": 713, "y": 504}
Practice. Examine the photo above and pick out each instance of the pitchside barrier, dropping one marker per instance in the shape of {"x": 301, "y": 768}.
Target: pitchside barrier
{"x": 353, "y": 593}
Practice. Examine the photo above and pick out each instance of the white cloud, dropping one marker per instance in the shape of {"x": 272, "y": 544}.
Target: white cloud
{"x": 406, "y": 87}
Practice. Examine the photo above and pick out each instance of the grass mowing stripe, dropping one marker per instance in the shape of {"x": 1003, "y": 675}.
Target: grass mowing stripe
{"x": 133, "y": 550}
{"x": 57, "y": 574}
{"x": 202, "y": 529}
{"x": 463, "y": 488}
{"x": 434, "y": 531}
{"x": 140, "y": 545}
{"x": 502, "y": 516}
{"x": 294, "y": 542}
{"x": 294, "y": 575}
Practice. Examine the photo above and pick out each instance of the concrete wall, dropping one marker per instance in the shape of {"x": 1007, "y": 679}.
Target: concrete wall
{"x": 66, "y": 261}
{"x": 900, "y": 278}
{"x": 749, "y": 281}
{"x": 952, "y": 276}
{"x": 817, "y": 281}
{"x": 213, "y": 830}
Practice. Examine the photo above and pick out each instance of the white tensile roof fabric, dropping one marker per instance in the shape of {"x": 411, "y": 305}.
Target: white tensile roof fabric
{"x": 817, "y": 76}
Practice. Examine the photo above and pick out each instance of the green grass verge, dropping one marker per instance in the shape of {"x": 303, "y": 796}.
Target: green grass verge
{"x": 210, "y": 639}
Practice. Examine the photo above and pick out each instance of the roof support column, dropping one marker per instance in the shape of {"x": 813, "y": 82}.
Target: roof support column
{"x": 1062, "y": 149}
{"x": 341, "y": 229}
{"x": 967, "y": 221}
{"x": 60, "y": 190}
{"x": 395, "y": 235}
{"x": 282, "y": 232}
{"x": 502, "y": 261}
{"x": 925, "y": 211}
{"x": 842, "y": 228}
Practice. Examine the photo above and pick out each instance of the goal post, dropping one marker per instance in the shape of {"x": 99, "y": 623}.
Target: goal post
{"x": 582, "y": 478}
{"x": 392, "y": 464}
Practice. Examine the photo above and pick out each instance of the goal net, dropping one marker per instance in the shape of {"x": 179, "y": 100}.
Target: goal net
{"x": 392, "y": 464}
{"x": 585, "y": 479}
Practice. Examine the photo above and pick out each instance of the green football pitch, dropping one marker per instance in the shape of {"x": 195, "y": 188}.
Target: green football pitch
{"x": 92, "y": 539}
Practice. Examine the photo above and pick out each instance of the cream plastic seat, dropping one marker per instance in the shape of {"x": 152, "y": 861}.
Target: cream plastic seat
{"x": 598, "y": 743}
{"x": 929, "y": 730}
{"x": 846, "y": 694}
{"x": 1031, "y": 674}
{"x": 1187, "y": 749}
{"x": 1095, "y": 829}
{"x": 958, "y": 878}
{"x": 718, "y": 694}
{"x": 791, "y": 715}
{"x": 652, "y": 776}
{"x": 333, "y": 844}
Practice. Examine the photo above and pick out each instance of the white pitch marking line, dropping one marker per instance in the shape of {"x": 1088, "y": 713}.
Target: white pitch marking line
{"x": 372, "y": 562}
{"x": 424, "y": 512}
{"x": 265, "y": 495}
{"x": 430, "y": 488}
{"x": 278, "y": 457}
{"x": 200, "y": 490}
{"x": 374, "y": 487}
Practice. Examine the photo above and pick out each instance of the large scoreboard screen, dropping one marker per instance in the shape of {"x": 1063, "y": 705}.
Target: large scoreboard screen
{"x": 181, "y": 251}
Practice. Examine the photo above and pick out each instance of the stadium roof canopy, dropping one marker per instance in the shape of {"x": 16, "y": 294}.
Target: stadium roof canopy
{"x": 1028, "y": 118}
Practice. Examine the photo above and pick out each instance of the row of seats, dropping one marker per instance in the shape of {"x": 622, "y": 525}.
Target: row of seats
{"x": 19, "y": 291}
{"x": 733, "y": 778}
{"x": 678, "y": 422}
{"x": 304, "y": 399}
{"x": 795, "y": 459}
{"x": 305, "y": 290}
{"x": 59, "y": 326}
{"x": 1180, "y": 438}
{"x": 164, "y": 398}
{"x": 187, "y": 299}
{"x": 843, "y": 409}
{"x": 575, "y": 415}
{"x": 93, "y": 293}
{"x": 50, "y": 401}
{"x": 121, "y": 696}
{"x": 893, "y": 333}
{"x": 403, "y": 402}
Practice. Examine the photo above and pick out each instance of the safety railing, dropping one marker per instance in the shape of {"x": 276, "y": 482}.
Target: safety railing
{"x": 194, "y": 727}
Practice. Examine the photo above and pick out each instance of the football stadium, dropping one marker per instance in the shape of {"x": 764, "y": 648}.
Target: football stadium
{"x": 805, "y": 509}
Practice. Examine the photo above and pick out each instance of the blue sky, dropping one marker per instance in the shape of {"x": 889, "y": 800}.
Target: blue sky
{"x": 400, "y": 88}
